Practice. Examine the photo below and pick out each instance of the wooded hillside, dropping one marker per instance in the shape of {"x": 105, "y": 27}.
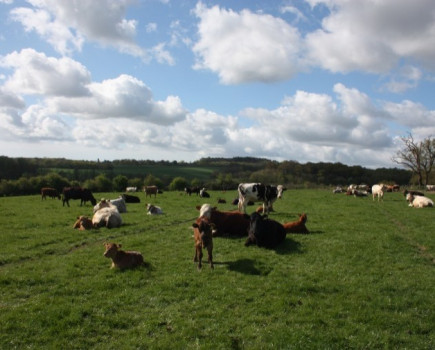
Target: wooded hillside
{"x": 28, "y": 175}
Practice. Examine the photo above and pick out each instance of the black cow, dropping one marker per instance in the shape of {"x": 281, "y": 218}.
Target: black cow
{"x": 130, "y": 199}
{"x": 265, "y": 232}
{"x": 258, "y": 192}
{"x": 190, "y": 190}
{"x": 83, "y": 194}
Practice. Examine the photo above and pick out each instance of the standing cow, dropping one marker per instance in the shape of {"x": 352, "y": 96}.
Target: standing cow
{"x": 83, "y": 194}
{"x": 50, "y": 192}
{"x": 151, "y": 190}
{"x": 258, "y": 192}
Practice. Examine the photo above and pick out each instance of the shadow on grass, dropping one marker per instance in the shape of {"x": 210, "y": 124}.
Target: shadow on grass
{"x": 249, "y": 267}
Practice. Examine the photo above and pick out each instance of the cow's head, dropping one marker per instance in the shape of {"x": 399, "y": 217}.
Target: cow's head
{"x": 111, "y": 249}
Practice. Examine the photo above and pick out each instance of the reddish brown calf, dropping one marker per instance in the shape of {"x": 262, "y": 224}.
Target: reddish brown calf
{"x": 202, "y": 233}
{"x": 122, "y": 259}
{"x": 83, "y": 223}
{"x": 297, "y": 226}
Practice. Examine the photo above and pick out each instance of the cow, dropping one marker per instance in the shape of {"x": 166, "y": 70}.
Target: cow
{"x": 50, "y": 192}
{"x": 419, "y": 201}
{"x": 378, "y": 190}
{"x": 122, "y": 259}
{"x": 414, "y": 193}
{"x": 130, "y": 199}
{"x": 83, "y": 194}
{"x": 430, "y": 187}
{"x": 202, "y": 234}
{"x": 120, "y": 204}
{"x": 258, "y": 192}
{"x": 265, "y": 232}
{"x": 151, "y": 190}
{"x": 221, "y": 201}
{"x": 83, "y": 223}
{"x": 107, "y": 216}
{"x": 153, "y": 210}
{"x": 203, "y": 193}
{"x": 190, "y": 190}
{"x": 131, "y": 189}
{"x": 297, "y": 226}
{"x": 227, "y": 223}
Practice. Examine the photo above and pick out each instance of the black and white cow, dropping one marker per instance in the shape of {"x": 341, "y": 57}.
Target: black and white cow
{"x": 258, "y": 192}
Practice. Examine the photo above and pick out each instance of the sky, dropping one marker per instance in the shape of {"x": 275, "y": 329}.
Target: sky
{"x": 301, "y": 80}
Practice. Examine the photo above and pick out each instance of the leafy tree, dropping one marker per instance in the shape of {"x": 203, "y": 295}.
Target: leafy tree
{"x": 120, "y": 182}
{"x": 151, "y": 180}
{"x": 178, "y": 184}
{"x": 419, "y": 157}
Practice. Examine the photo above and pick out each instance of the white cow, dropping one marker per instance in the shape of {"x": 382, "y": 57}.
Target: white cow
{"x": 107, "y": 216}
{"x": 118, "y": 203}
{"x": 378, "y": 190}
{"x": 419, "y": 201}
{"x": 430, "y": 187}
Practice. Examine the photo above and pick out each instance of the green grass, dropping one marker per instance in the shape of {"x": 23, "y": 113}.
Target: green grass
{"x": 363, "y": 279}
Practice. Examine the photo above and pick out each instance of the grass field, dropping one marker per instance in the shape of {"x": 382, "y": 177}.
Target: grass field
{"x": 363, "y": 279}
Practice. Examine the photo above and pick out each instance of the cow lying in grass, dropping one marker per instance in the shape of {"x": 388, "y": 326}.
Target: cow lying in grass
{"x": 419, "y": 201}
{"x": 297, "y": 226}
{"x": 122, "y": 259}
{"x": 153, "y": 210}
{"x": 202, "y": 234}
{"x": 108, "y": 215}
{"x": 265, "y": 232}
{"x": 83, "y": 223}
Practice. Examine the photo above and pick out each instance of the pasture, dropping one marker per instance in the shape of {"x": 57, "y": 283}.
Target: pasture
{"x": 362, "y": 279}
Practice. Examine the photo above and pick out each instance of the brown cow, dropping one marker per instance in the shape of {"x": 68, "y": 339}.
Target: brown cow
{"x": 227, "y": 223}
{"x": 122, "y": 259}
{"x": 202, "y": 233}
{"x": 50, "y": 192}
{"x": 83, "y": 223}
{"x": 297, "y": 226}
{"x": 151, "y": 190}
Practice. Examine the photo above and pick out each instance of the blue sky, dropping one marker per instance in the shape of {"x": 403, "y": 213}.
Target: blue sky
{"x": 310, "y": 81}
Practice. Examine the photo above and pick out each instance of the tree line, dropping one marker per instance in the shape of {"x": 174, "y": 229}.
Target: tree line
{"x": 24, "y": 176}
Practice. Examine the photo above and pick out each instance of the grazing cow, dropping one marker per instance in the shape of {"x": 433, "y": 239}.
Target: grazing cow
{"x": 153, "y": 210}
{"x": 130, "y": 199}
{"x": 203, "y": 193}
{"x": 419, "y": 201}
{"x": 107, "y": 216}
{"x": 265, "y": 232}
{"x": 50, "y": 192}
{"x": 190, "y": 190}
{"x": 378, "y": 190}
{"x": 202, "y": 234}
{"x": 297, "y": 226}
{"x": 258, "y": 192}
{"x": 227, "y": 223}
{"x": 151, "y": 190}
{"x": 131, "y": 189}
{"x": 83, "y": 194}
{"x": 83, "y": 223}
{"x": 122, "y": 259}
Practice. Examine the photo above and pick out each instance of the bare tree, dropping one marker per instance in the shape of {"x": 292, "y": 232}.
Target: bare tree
{"x": 418, "y": 157}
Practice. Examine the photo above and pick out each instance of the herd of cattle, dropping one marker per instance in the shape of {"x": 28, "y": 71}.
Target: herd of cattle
{"x": 211, "y": 222}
